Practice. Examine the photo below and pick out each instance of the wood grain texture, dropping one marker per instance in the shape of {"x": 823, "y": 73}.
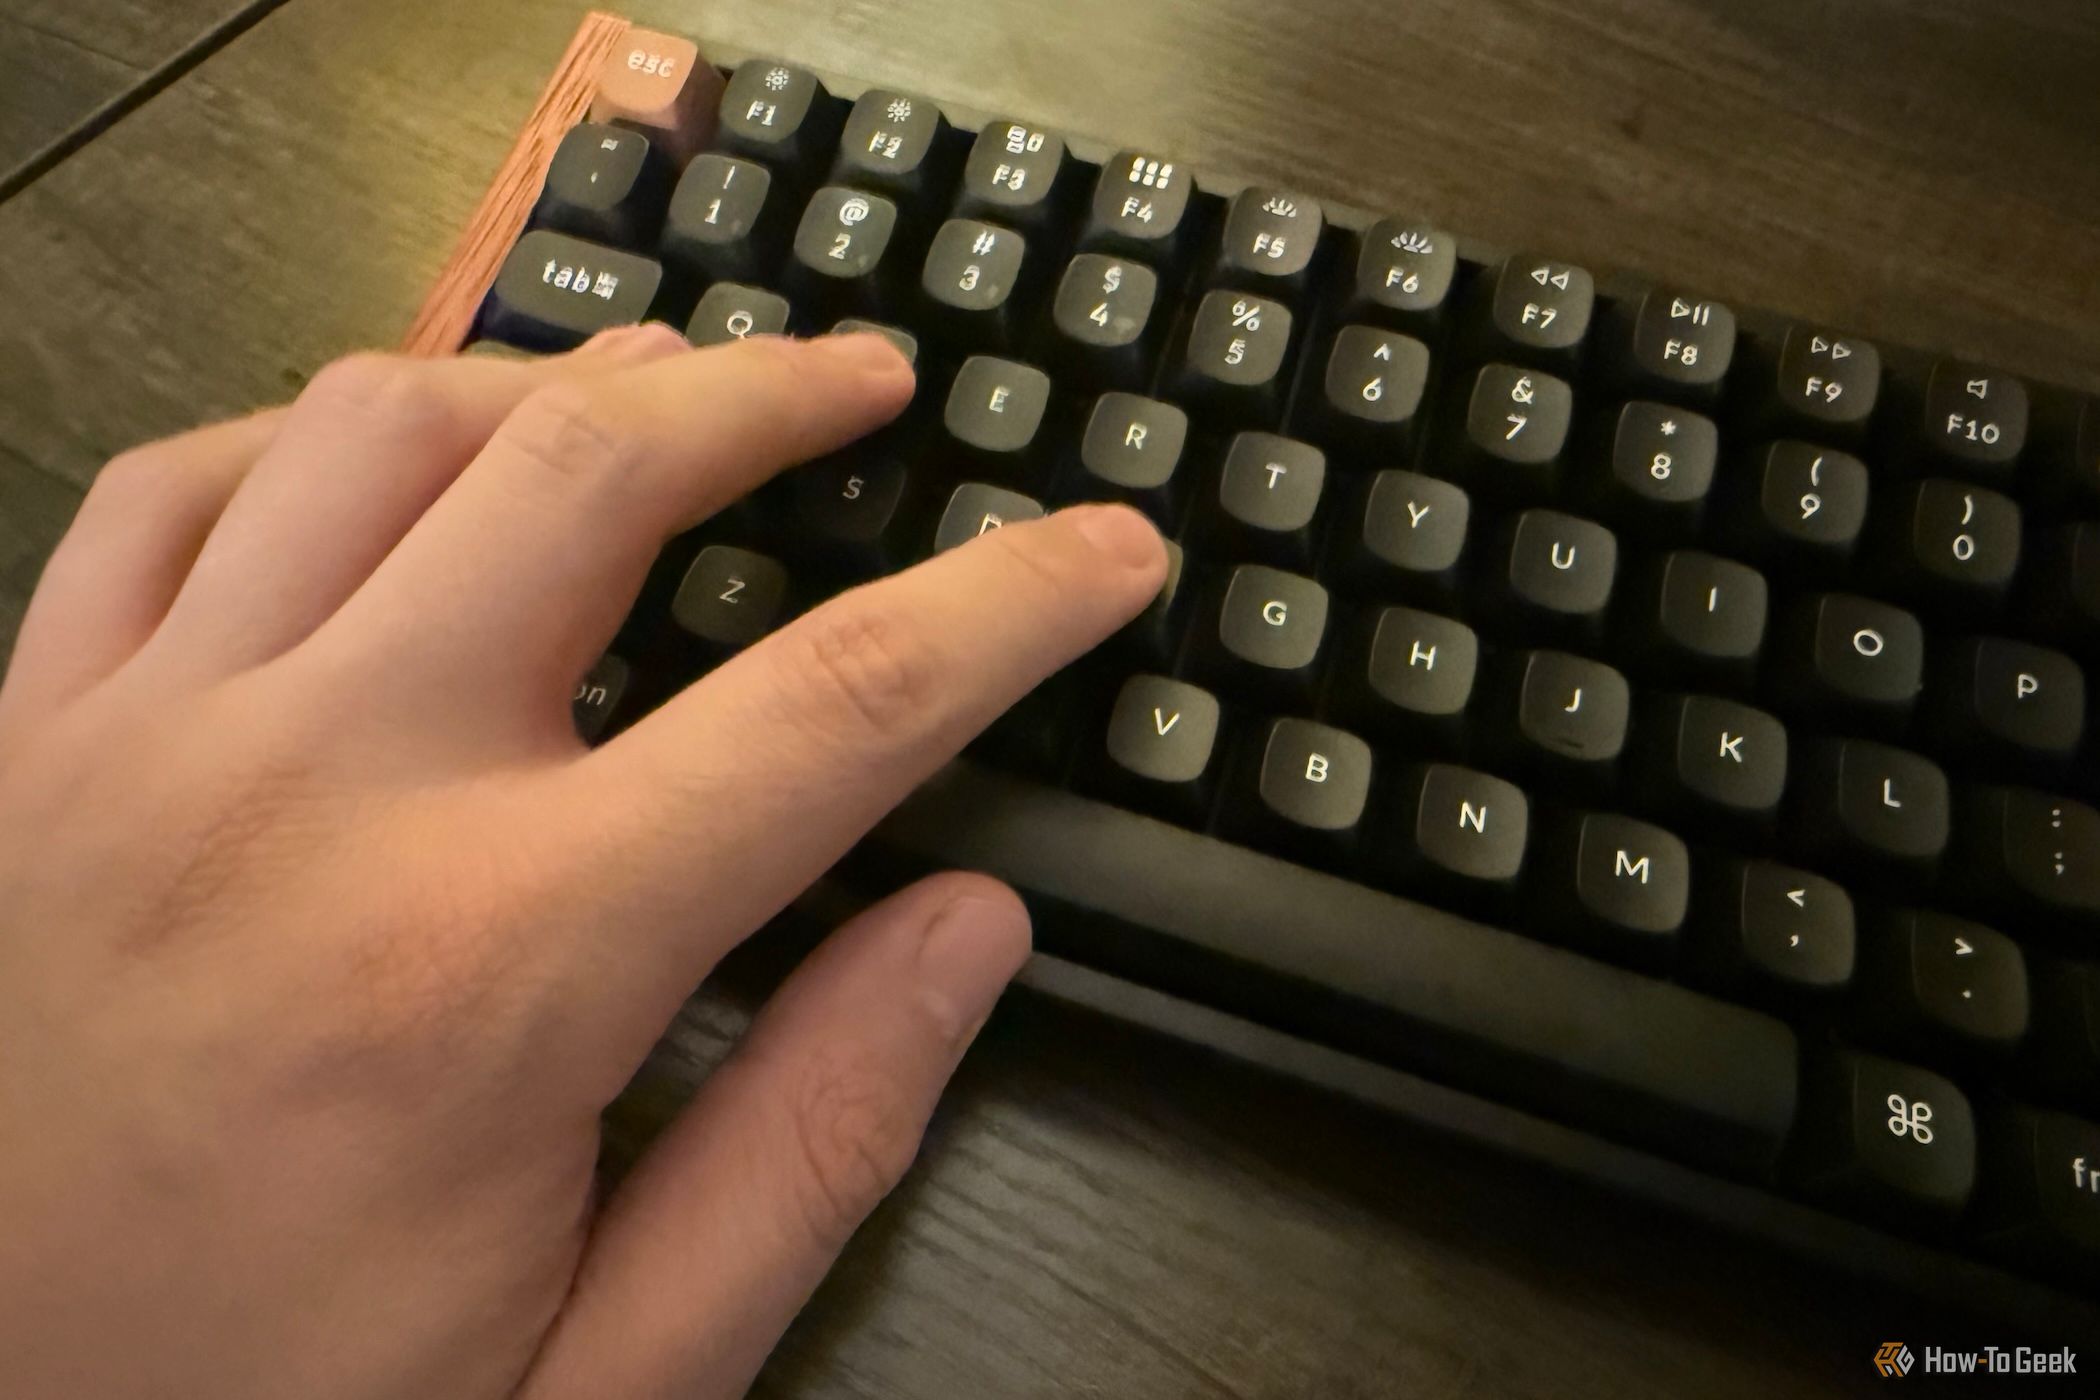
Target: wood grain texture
{"x": 1097, "y": 1214}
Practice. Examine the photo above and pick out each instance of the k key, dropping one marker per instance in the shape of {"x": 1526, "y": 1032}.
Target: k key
{"x": 1710, "y": 758}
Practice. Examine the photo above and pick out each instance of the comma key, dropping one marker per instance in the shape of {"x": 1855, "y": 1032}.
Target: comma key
{"x": 661, "y": 84}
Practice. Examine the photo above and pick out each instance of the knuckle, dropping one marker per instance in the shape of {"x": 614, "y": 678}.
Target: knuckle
{"x": 134, "y": 473}
{"x": 854, "y": 1138}
{"x": 370, "y": 385}
{"x": 565, "y": 431}
{"x": 867, "y": 668}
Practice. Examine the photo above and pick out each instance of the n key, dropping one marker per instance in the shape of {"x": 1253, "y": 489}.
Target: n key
{"x": 1464, "y": 830}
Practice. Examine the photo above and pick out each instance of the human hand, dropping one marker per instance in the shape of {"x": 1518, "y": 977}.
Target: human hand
{"x": 323, "y": 942}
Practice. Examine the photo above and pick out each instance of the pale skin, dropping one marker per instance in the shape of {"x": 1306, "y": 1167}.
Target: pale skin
{"x": 324, "y": 942}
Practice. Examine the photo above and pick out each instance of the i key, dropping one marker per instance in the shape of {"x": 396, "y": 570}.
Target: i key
{"x": 1233, "y": 361}
{"x": 778, "y": 114}
{"x": 725, "y": 220}
{"x": 606, "y": 183}
{"x": 1371, "y": 391}
{"x": 893, "y": 141}
{"x": 555, "y": 291}
{"x": 1140, "y": 207}
{"x": 1700, "y": 615}
{"x": 1012, "y": 175}
{"x": 1269, "y": 240}
{"x": 1102, "y": 316}
{"x": 969, "y": 279}
{"x": 660, "y": 84}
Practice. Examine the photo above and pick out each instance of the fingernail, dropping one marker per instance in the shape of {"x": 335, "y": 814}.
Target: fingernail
{"x": 971, "y": 951}
{"x": 1121, "y": 533}
{"x": 863, "y": 350}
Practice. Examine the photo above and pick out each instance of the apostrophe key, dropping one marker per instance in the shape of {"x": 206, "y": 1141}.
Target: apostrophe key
{"x": 779, "y": 115}
{"x": 555, "y": 291}
{"x": 660, "y": 85}
{"x": 606, "y": 183}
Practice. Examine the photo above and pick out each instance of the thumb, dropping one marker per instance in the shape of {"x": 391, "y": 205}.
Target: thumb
{"x": 710, "y": 1248}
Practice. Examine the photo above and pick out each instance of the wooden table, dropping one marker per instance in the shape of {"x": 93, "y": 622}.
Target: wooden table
{"x": 1098, "y": 1214}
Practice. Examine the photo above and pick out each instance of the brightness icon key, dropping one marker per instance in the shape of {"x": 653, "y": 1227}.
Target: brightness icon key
{"x": 895, "y": 141}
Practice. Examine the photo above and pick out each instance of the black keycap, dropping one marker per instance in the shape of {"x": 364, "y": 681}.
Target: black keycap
{"x": 1154, "y": 634}
{"x": 1140, "y": 207}
{"x": 2032, "y": 850}
{"x": 1700, "y": 614}
{"x": 1863, "y": 800}
{"x": 976, "y": 507}
{"x": 1882, "y": 1137}
{"x": 1371, "y": 391}
{"x": 1853, "y": 653}
{"x": 1268, "y": 628}
{"x": 1974, "y": 418}
{"x": 1234, "y": 357}
{"x": 1614, "y": 885}
{"x": 1516, "y": 425}
{"x": 1411, "y": 533}
{"x": 778, "y": 114}
{"x": 1269, "y": 240}
{"x": 1556, "y": 571}
{"x": 1563, "y": 716}
{"x": 1306, "y": 790}
{"x": 995, "y": 408}
{"x": 1955, "y": 542}
{"x": 1537, "y": 310}
{"x": 1161, "y": 737}
{"x": 1677, "y": 344}
{"x": 1810, "y": 504}
{"x": 1012, "y": 174}
{"x": 1268, "y": 494}
{"x": 1773, "y": 932}
{"x": 1413, "y": 679}
{"x": 730, "y": 597}
{"x": 849, "y": 513}
{"x": 1654, "y": 473}
{"x": 2040, "y": 1202}
{"x": 840, "y": 246}
{"x": 2065, "y": 584}
{"x": 969, "y": 279}
{"x": 1130, "y": 451}
{"x": 1997, "y": 698}
{"x": 892, "y": 141}
{"x": 1932, "y": 984}
{"x": 1826, "y": 381}
{"x": 598, "y": 696}
{"x": 726, "y": 220}
{"x": 1462, "y": 829}
{"x": 1403, "y": 274}
{"x": 905, "y": 342}
{"x": 2062, "y": 1054}
{"x": 605, "y": 183}
{"x": 731, "y": 311}
{"x": 1708, "y": 757}
{"x": 556, "y": 291}
{"x": 1105, "y": 332}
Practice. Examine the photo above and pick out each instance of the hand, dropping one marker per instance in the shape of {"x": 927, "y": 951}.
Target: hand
{"x": 323, "y": 942}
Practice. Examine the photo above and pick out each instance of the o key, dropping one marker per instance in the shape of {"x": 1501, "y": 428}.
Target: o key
{"x": 660, "y": 84}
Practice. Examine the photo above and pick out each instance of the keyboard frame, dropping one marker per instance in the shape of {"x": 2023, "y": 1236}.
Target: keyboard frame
{"x": 1946, "y": 1277}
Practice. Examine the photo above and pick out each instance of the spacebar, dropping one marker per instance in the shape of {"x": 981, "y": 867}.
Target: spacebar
{"x": 1415, "y": 987}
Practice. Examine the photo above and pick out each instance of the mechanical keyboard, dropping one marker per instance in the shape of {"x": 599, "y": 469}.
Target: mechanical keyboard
{"x": 1643, "y": 716}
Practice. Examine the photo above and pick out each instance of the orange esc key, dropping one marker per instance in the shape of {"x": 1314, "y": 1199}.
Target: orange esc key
{"x": 662, "y": 85}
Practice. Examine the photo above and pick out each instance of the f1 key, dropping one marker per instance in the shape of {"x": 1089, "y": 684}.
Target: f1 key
{"x": 660, "y": 84}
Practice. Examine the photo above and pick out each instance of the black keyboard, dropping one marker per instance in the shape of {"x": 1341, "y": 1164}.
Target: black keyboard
{"x": 1658, "y": 717}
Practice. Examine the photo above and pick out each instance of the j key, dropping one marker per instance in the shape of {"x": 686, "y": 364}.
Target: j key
{"x": 1866, "y": 800}
{"x": 1269, "y": 240}
{"x": 892, "y": 140}
{"x": 995, "y": 408}
{"x": 1974, "y": 418}
{"x": 976, "y": 508}
{"x": 725, "y": 220}
{"x": 2032, "y": 850}
{"x": 1854, "y": 653}
{"x": 1371, "y": 390}
{"x": 1516, "y": 425}
{"x": 2041, "y": 1200}
{"x": 555, "y": 291}
{"x": 1154, "y": 634}
{"x": 598, "y": 696}
{"x": 661, "y": 84}
{"x": 778, "y": 114}
{"x": 1011, "y": 176}
{"x": 1677, "y": 345}
{"x": 1140, "y": 207}
{"x": 1556, "y": 571}
{"x": 840, "y": 244}
{"x": 605, "y": 183}
{"x": 969, "y": 278}
{"x": 1882, "y": 1137}
{"x": 1307, "y": 788}
{"x": 731, "y": 311}
{"x": 1998, "y": 698}
{"x": 1415, "y": 678}
{"x": 1131, "y": 451}
{"x": 905, "y": 343}
{"x": 1411, "y": 533}
{"x": 730, "y": 598}
{"x": 1537, "y": 310}
{"x": 1615, "y": 885}
{"x": 1700, "y": 614}
{"x": 1657, "y": 467}
{"x": 1235, "y": 353}
{"x": 1403, "y": 274}
{"x": 1956, "y": 542}
{"x": 1268, "y": 493}
{"x": 1826, "y": 381}
{"x": 849, "y": 511}
{"x": 1161, "y": 737}
{"x": 1103, "y": 318}
{"x": 1811, "y": 502}
{"x": 1562, "y": 716}
{"x": 1706, "y": 757}
{"x": 1931, "y": 983}
{"x": 1772, "y": 931}
{"x": 1268, "y": 629}
{"x": 1462, "y": 829}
